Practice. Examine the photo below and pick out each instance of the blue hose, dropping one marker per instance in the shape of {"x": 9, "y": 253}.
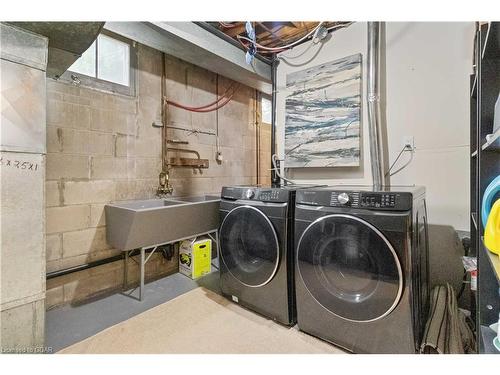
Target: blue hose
{"x": 490, "y": 192}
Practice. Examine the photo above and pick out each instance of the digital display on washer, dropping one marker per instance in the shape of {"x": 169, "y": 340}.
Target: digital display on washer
{"x": 269, "y": 195}
{"x": 378, "y": 200}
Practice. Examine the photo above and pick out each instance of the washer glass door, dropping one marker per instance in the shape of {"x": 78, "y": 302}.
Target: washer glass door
{"x": 350, "y": 268}
{"x": 249, "y": 246}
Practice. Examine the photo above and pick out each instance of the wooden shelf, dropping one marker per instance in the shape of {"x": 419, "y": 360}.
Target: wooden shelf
{"x": 493, "y": 259}
{"x": 493, "y": 143}
{"x": 487, "y": 336}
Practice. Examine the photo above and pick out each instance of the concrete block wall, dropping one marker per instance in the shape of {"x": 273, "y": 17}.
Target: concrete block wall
{"x": 236, "y": 128}
{"x": 102, "y": 147}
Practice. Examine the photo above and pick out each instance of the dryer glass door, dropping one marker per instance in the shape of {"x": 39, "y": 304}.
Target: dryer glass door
{"x": 249, "y": 246}
{"x": 350, "y": 268}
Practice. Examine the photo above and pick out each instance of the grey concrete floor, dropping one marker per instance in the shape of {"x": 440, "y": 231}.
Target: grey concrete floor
{"x": 69, "y": 324}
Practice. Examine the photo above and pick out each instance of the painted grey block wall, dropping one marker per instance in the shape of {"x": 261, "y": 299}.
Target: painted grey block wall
{"x": 22, "y": 186}
{"x": 102, "y": 147}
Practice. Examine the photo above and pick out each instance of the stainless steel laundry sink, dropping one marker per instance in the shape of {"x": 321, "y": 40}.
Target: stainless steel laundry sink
{"x": 145, "y": 223}
{"x": 148, "y": 203}
{"x": 198, "y": 198}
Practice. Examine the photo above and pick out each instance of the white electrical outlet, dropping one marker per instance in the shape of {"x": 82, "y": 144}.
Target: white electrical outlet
{"x": 408, "y": 142}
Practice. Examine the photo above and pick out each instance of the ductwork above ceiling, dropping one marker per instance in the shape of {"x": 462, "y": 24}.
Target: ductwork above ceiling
{"x": 67, "y": 41}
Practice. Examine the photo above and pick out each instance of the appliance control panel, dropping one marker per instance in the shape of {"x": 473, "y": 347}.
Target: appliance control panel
{"x": 255, "y": 194}
{"x": 380, "y": 200}
{"x": 347, "y": 199}
{"x": 269, "y": 195}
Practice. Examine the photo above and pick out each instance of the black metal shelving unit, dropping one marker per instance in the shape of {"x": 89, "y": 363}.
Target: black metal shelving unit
{"x": 484, "y": 167}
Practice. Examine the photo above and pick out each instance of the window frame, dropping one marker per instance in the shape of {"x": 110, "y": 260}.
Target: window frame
{"x": 101, "y": 84}
{"x": 270, "y": 98}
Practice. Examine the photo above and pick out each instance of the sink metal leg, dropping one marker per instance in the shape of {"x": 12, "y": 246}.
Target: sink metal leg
{"x": 143, "y": 261}
{"x": 217, "y": 249}
{"x": 125, "y": 271}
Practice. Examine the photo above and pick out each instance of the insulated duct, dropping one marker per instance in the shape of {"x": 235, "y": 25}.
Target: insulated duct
{"x": 67, "y": 41}
{"x": 373, "y": 98}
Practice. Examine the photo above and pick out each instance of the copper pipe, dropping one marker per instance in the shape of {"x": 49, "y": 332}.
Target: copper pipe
{"x": 185, "y": 150}
{"x": 164, "y": 186}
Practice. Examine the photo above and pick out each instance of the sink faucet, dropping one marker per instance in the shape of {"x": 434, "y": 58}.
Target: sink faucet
{"x": 164, "y": 188}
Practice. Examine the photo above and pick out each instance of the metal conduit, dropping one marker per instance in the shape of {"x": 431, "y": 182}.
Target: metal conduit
{"x": 373, "y": 98}
{"x": 275, "y": 180}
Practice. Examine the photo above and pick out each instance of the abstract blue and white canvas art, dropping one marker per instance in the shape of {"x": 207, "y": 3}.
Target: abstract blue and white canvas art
{"x": 323, "y": 112}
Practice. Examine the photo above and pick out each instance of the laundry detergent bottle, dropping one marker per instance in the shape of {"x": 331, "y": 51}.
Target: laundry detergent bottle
{"x": 492, "y": 229}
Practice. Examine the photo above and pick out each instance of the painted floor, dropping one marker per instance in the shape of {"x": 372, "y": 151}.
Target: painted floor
{"x": 70, "y": 324}
{"x": 200, "y": 322}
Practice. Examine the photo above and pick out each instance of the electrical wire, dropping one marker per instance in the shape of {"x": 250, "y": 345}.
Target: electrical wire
{"x": 404, "y": 166}
{"x": 313, "y": 31}
{"x": 227, "y": 25}
{"x": 271, "y": 50}
{"x": 339, "y": 26}
{"x": 274, "y": 157}
{"x": 285, "y": 46}
{"x": 397, "y": 158}
{"x": 247, "y": 47}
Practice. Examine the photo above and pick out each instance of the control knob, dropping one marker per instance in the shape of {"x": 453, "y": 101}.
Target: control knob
{"x": 249, "y": 194}
{"x": 343, "y": 198}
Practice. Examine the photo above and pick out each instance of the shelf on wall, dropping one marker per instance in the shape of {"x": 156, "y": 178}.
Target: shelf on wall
{"x": 491, "y": 49}
{"x": 493, "y": 259}
{"x": 487, "y": 336}
{"x": 473, "y": 91}
{"x": 474, "y": 218}
{"x": 493, "y": 143}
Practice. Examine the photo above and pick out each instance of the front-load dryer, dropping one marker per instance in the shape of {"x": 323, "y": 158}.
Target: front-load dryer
{"x": 362, "y": 267}
{"x": 256, "y": 249}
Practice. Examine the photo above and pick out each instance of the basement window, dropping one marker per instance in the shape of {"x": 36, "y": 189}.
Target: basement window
{"x": 106, "y": 65}
{"x": 267, "y": 110}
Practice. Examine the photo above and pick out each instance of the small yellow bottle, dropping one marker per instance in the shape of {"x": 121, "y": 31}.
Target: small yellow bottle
{"x": 492, "y": 229}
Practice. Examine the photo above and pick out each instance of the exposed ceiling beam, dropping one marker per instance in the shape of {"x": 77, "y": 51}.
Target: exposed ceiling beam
{"x": 271, "y": 32}
{"x": 232, "y": 32}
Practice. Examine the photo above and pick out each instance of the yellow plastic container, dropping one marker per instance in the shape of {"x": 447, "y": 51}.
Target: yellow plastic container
{"x": 195, "y": 257}
{"x": 492, "y": 229}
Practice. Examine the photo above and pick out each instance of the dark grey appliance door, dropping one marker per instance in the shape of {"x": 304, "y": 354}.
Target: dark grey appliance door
{"x": 350, "y": 268}
{"x": 249, "y": 246}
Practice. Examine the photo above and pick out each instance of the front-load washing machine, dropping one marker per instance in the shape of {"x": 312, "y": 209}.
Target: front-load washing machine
{"x": 256, "y": 249}
{"x": 362, "y": 267}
